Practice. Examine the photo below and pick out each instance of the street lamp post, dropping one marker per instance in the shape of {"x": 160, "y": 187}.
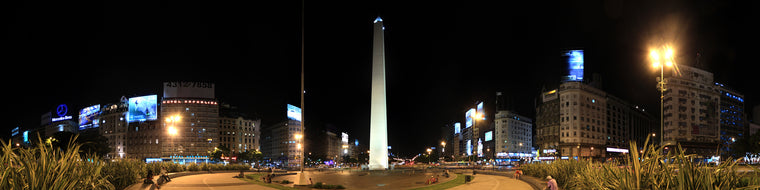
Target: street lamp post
{"x": 429, "y": 151}
{"x": 443, "y": 149}
{"x": 668, "y": 58}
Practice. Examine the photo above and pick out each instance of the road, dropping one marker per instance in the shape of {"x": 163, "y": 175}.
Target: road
{"x": 215, "y": 181}
{"x": 493, "y": 182}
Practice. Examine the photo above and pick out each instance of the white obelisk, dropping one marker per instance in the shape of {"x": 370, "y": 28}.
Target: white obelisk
{"x": 378, "y": 127}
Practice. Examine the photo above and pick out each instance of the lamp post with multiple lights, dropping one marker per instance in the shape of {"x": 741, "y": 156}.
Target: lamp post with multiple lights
{"x": 661, "y": 58}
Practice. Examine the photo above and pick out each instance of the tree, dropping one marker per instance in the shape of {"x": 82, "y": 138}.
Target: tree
{"x": 251, "y": 156}
{"x": 219, "y": 152}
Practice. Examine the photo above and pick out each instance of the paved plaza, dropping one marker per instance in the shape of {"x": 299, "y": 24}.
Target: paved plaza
{"x": 214, "y": 181}
{"x": 371, "y": 180}
{"x": 350, "y": 180}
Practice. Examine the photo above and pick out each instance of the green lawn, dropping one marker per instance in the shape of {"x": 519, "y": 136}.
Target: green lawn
{"x": 257, "y": 180}
{"x": 449, "y": 184}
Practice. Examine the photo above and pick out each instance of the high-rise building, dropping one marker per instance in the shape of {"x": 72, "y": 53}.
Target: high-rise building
{"x": 582, "y": 120}
{"x": 733, "y": 120}
{"x": 692, "y": 111}
{"x": 578, "y": 120}
{"x": 627, "y": 123}
{"x": 114, "y": 127}
{"x": 190, "y": 120}
{"x": 513, "y": 134}
{"x": 144, "y": 140}
{"x": 333, "y": 146}
{"x": 239, "y": 134}
{"x": 548, "y": 123}
{"x": 283, "y": 141}
{"x": 237, "y": 131}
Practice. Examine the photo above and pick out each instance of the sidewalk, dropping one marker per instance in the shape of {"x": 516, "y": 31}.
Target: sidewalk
{"x": 493, "y": 182}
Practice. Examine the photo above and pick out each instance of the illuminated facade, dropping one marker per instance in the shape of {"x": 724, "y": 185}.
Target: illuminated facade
{"x": 513, "y": 133}
{"x": 578, "y": 120}
{"x": 733, "y": 120}
{"x": 282, "y": 143}
{"x": 333, "y": 146}
{"x": 239, "y": 134}
{"x": 114, "y": 126}
{"x": 582, "y": 117}
{"x": 197, "y": 127}
{"x": 189, "y": 122}
{"x": 692, "y": 111}
{"x": 378, "y": 140}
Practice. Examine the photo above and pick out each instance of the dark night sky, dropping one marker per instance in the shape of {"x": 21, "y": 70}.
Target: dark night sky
{"x": 441, "y": 57}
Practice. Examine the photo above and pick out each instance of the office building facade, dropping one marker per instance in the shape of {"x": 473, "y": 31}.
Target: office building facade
{"x": 513, "y": 134}
{"x": 588, "y": 122}
{"x": 692, "y": 111}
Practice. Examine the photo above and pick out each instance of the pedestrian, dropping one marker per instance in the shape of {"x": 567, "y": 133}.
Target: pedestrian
{"x": 310, "y": 183}
{"x": 164, "y": 175}
{"x": 518, "y": 172}
{"x": 551, "y": 184}
{"x": 149, "y": 179}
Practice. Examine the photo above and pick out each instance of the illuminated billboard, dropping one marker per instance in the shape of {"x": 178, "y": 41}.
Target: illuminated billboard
{"x": 468, "y": 117}
{"x": 469, "y": 147}
{"x": 88, "y": 117}
{"x": 489, "y": 135}
{"x": 344, "y": 138}
{"x": 142, "y": 108}
{"x": 574, "y": 64}
{"x": 62, "y": 111}
{"x": 294, "y": 113}
{"x": 480, "y": 148}
{"x": 457, "y": 128}
{"x": 481, "y": 112}
{"x": 26, "y": 136}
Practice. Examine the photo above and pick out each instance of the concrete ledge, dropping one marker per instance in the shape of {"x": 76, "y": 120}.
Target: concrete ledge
{"x": 140, "y": 185}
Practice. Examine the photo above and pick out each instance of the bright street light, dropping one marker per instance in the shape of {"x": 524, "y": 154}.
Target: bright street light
{"x": 657, "y": 55}
{"x": 172, "y": 130}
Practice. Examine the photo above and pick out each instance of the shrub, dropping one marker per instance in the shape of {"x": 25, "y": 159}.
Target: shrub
{"x": 123, "y": 173}
{"x": 45, "y": 167}
{"x": 193, "y": 167}
{"x": 648, "y": 169}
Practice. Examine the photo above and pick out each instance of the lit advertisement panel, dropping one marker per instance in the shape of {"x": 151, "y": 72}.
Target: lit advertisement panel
{"x": 609, "y": 149}
{"x": 142, "y": 108}
{"x": 481, "y": 111}
{"x": 294, "y": 113}
{"x": 469, "y": 147}
{"x": 574, "y": 65}
{"x": 88, "y": 117}
{"x": 26, "y": 136}
{"x": 457, "y": 128}
{"x": 489, "y": 135}
{"x": 344, "y": 137}
{"x": 468, "y": 117}
{"x": 480, "y": 148}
